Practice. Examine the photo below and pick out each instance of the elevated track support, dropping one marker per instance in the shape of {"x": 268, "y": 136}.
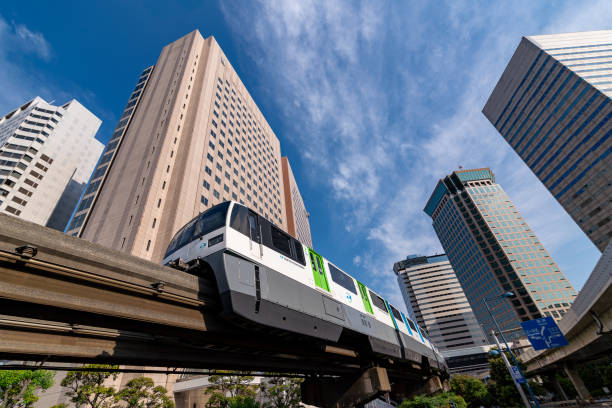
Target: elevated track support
{"x": 63, "y": 299}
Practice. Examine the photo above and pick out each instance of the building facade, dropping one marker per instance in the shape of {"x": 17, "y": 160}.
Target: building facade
{"x": 191, "y": 136}
{"x": 47, "y": 154}
{"x": 434, "y": 296}
{"x": 298, "y": 223}
{"x": 493, "y": 250}
{"x": 552, "y": 105}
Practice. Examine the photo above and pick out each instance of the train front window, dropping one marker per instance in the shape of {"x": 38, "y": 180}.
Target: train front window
{"x": 211, "y": 220}
{"x": 203, "y": 224}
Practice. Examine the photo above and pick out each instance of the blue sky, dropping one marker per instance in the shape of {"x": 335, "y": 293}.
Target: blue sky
{"x": 373, "y": 101}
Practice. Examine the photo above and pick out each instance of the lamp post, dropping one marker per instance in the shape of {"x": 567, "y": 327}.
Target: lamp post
{"x": 518, "y": 386}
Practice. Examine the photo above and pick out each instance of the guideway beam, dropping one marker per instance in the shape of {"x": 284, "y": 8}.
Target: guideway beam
{"x": 346, "y": 392}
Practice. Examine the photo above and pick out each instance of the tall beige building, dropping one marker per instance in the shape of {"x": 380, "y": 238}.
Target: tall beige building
{"x": 298, "y": 224}
{"x": 435, "y": 299}
{"x": 190, "y": 137}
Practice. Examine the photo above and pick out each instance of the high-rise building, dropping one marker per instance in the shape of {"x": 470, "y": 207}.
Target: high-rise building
{"x": 298, "y": 224}
{"x": 493, "y": 250}
{"x": 552, "y": 105}
{"x": 434, "y": 296}
{"x": 47, "y": 153}
{"x": 190, "y": 137}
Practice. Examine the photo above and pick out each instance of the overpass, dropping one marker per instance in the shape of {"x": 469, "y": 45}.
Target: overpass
{"x": 63, "y": 299}
{"x": 587, "y": 326}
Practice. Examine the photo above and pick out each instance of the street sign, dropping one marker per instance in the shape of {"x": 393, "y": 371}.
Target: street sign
{"x": 516, "y": 374}
{"x": 543, "y": 333}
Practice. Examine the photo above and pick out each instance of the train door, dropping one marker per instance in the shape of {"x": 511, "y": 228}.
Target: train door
{"x": 364, "y": 297}
{"x": 255, "y": 248}
{"x": 318, "y": 270}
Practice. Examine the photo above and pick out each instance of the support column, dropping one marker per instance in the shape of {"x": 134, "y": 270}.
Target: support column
{"x": 558, "y": 387}
{"x": 346, "y": 392}
{"x": 582, "y": 390}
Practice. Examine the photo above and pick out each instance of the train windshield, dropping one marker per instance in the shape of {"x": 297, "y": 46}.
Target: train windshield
{"x": 204, "y": 223}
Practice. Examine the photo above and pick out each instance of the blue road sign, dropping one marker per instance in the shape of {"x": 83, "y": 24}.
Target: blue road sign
{"x": 543, "y": 333}
{"x": 516, "y": 374}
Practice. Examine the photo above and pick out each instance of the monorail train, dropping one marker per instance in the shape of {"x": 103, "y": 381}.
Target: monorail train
{"x": 268, "y": 277}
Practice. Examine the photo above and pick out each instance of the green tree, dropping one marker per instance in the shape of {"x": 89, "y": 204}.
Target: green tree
{"x": 87, "y": 387}
{"x": 226, "y": 388}
{"x": 436, "y": 401}
{"x": 141, "y": 392}
{"x": 501, "y": 388}
{"x": 471, "y": 389}
{"x": 282, "y": 392}
{"x": 243, "y": 402}
{"x": 18, "y": 387}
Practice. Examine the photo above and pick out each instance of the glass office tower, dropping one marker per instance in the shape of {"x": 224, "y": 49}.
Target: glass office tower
{"x": 552, "y": 105}
{"x": 493, "y": 250}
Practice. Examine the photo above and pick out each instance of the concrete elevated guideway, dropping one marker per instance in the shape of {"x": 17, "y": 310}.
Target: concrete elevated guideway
{"x": 587, "y": 326}
{"x": 64, "y": 299}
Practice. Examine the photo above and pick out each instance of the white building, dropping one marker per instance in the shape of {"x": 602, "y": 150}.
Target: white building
{"x": 47, "y": 154}
{"x": 435, "y": 299}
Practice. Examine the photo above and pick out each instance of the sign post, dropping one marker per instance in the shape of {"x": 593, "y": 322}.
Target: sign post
{"x": 543, "y": 333}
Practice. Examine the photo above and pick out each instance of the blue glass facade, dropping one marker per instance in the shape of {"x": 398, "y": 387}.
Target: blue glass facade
{"x": 552, "y": 105}
{"x": 493, "y": 250}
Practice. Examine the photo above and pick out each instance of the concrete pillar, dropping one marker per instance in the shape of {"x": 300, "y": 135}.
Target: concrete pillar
{"x": 346, "y": 392}
{"x": 582, "y": 390}
{"x": 558, "y": 387}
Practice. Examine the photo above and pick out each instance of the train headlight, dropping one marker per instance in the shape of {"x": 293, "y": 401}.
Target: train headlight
{"x": 215, "y": 240}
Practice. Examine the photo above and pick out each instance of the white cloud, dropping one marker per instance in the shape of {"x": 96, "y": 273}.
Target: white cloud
{"x": 17, "y": 84}
{"x": 33, "y": 41}
{"x": 392, "y": 94}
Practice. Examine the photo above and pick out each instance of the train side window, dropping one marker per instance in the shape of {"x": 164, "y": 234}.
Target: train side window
{"x": 396, "y": 314}
{"x": 378, "y": 302}
{"x": 411, "y": 324}
{"x": 253, "y": 227}
{"x": 342, "y": 278}
{"x": 299, "y": 252}
{"x": 240, "y": 219}
{"x": 281, "y": 241}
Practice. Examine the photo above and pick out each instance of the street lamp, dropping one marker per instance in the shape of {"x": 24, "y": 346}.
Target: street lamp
{"x": 508, "y": 295}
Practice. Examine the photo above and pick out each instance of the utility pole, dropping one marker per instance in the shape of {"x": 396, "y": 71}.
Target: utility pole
{"x": 509, "y": 367}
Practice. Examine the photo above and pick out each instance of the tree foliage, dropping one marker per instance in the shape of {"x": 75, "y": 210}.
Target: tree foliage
{"x": 471, "y": 389}
{"x": 282, "y": 392}
{"x": 18, "y": 387}
{"x": 502, "y": 388}
{"x": 141, "y": 392}
{"x": 442, "y": 400}
{"x": 229, "y": 388}
{"x": 87, "y": 388}
{"x": 90, "y": 389}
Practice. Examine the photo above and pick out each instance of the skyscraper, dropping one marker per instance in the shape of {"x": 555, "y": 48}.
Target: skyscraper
{"x": 47, "y": 153}
{"x": 191, "y": 136}
{"x": 298, "y": 224}
{"x": 437, "y": 302}
{"x": 493, "y": 250}
{"x": 552, "y": 105}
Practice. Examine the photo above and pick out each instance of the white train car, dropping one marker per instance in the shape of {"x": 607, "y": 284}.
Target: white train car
{"x": 269, "y": 278}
